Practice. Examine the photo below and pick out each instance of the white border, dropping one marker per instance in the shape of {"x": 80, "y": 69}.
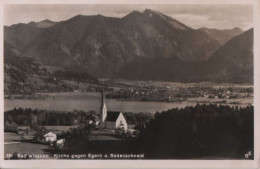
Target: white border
{"x": 140, "y": 163}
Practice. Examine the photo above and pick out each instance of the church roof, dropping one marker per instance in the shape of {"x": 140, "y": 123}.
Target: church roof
{"x": 112, "y": 116}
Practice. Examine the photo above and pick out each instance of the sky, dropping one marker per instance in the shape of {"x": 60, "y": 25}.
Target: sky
{"x": 222, "y": 16}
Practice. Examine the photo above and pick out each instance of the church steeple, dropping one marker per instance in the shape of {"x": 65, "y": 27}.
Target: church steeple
{"x": 103, "y": 109}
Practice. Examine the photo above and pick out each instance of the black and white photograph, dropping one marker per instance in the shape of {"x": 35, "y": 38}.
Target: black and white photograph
{"x": 128, "y": 81}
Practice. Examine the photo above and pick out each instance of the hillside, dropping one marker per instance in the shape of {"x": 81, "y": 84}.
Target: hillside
{"x": 222, "y": 35}
{"x": 25, "y": 75}
{"x": 234, "y": 61}
{"x": 231, "y": 63}
{"x": 20, "y": 35}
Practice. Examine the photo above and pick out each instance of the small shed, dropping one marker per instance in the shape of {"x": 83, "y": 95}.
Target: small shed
{"x": 60, "y": 143}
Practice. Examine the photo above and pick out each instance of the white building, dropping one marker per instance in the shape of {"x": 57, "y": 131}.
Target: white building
{"x": 50, "y": 137}
{"x": 60, "y": 143}
{"x": 111, "y": 119}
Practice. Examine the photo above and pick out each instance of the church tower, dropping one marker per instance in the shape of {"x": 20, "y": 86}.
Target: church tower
{"x": 103, "y": 110}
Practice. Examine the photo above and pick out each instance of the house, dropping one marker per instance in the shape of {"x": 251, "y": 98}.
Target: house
{"x": 111, "y": 119}
{"x": 46, "y": 137}
{"x": 50, "y": 137}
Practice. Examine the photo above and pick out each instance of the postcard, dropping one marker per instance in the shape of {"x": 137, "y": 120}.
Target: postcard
{"x": 130, "y": 84}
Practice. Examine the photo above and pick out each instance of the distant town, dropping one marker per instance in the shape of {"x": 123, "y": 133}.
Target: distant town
{"x": 179, "y": 94}
{"x": 150, "y": 93}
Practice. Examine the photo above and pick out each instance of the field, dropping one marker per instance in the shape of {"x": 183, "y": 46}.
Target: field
{"x": 22, "y": 145}
{"x": 103, "y": 135}
{"x": 16, "y": 143}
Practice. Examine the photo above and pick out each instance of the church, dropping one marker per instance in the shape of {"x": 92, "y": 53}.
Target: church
{"x": 111, "y": 119}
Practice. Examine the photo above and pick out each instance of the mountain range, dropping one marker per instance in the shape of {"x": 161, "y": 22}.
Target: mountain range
{"x": 144, "y": 45}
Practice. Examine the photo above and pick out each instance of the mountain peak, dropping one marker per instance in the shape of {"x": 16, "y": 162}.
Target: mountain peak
{"x": 76, "y": 17}
{"x": 45, "y": 23}
{"x": 174, "y": 23}
{"x": 32, "y": 23}
{"x": 132, "y": 14}
{"x": 147, "y": 11}
{"x": 153, "y": 12}
{"x": 48, "y": 21}
{"x": 222, "y": 35}
{"x": 237, "y": 29}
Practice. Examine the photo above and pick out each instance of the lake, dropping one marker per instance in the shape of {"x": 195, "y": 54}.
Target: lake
{"x": 89, "y": 101}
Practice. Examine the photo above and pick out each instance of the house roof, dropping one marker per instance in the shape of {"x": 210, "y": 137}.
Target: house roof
{"x": 49, "y": 134}
{"x": 112, "y": 116}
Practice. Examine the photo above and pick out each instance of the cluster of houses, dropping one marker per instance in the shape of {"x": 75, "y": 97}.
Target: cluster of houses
{"x": 227, "y": 95}
{"x": 177, "y": 94}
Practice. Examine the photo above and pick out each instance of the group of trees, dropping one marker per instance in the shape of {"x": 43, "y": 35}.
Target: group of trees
{"x": 136, "y": 118}
{"x": 28, "y": 116}
{"x": 200, "y": 131}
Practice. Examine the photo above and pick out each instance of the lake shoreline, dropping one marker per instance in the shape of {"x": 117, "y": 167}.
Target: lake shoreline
{"x": 86, "y": 101}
